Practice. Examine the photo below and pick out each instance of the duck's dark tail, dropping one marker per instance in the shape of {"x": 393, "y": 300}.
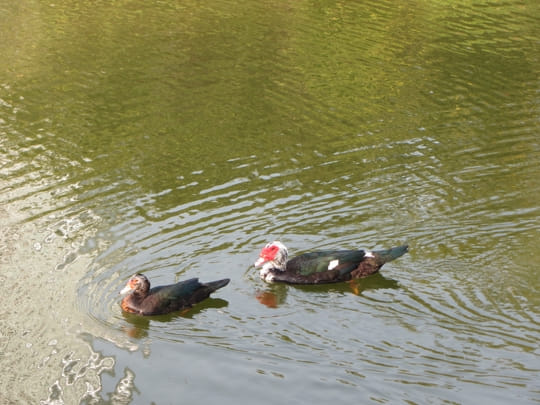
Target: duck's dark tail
{"x": 385, "y": 256}
{"x": 215, "y": 285}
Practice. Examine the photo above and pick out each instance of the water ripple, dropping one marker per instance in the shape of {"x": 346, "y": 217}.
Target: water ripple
{"x": 429, "y": 140}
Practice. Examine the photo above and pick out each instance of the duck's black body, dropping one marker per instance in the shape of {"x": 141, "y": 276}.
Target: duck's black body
{"x": 325, "y": 266}
{"x": 144, "y": 300}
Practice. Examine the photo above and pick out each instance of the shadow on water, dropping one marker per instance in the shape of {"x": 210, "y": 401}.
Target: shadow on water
{"x": 275, "y": 295}
{"x": 139, "y": 325}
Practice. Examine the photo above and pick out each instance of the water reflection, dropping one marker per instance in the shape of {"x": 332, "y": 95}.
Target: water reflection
{"x": 136, "y": 326}
{"x": 125, "y": 389}
{"x": 271, "y": 297}
{"x": 276, "y": 295}
{"x": 139, "y": 325}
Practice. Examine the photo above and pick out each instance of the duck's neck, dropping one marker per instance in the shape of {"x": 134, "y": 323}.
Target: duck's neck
{"x": 272, "y": 266}
{"x": 139, "y": 296}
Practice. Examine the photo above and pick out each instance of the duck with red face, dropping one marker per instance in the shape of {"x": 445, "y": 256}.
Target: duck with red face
{"x": 323, "y": 266}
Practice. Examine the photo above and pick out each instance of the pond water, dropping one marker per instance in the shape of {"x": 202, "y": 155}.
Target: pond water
{"x": 177, "y": 138}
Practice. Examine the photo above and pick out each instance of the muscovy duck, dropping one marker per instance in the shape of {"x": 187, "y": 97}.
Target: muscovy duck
{"x": 164, "y": 299}
{"x": 324, "y": 266}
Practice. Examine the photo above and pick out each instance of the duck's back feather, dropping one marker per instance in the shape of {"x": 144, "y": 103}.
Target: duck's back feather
{"x": 174, "y": 297}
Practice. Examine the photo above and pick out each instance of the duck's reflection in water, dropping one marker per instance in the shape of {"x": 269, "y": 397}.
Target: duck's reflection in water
{"x": 137, "y": 326}
{"x": 275, "y": 295}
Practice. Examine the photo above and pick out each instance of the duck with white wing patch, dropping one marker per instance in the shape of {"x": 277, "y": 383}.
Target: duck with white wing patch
{"x": 324, "y": 266}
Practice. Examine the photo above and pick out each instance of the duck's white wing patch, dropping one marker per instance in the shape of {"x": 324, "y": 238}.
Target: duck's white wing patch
{"x": 333, "y": 264}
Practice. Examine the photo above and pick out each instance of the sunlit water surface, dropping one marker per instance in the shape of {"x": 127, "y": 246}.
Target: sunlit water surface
{"x": 178, "y": 139}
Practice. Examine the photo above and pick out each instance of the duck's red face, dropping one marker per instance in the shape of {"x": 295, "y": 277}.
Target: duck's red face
{"x": 268, "y": 253}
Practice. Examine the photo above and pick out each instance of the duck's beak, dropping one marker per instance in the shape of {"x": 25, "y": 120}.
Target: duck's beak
{"x": 260, "y": 261}
{"x": 125, "y": 290}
